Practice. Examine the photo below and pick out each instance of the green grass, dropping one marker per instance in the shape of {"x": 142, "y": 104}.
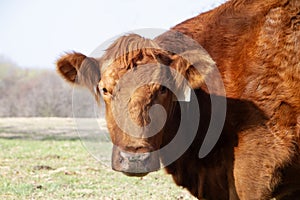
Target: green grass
{"x": 63, "y": 169}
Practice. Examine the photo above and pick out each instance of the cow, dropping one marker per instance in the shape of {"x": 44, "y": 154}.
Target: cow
{"x": 254, "y": 46}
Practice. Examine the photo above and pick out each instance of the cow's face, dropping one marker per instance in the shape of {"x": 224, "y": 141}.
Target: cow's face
{"x": 131, "y": 117}
{"x": 135, "y": 123}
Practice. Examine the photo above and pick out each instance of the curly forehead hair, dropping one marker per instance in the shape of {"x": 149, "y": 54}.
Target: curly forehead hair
{"x": 128, "y": 50}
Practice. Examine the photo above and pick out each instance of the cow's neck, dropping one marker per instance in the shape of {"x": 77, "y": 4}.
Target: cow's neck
{"x": 189, "y": 170}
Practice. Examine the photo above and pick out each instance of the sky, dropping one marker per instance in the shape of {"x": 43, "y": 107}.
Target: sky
{"x": 34, "y": 33}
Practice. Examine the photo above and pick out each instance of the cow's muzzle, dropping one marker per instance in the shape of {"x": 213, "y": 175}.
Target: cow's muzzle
{"x": 134, "y": 164}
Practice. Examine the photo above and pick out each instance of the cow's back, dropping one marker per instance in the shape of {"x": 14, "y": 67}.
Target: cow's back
{"x": 255, "y": 45}
{"x": 251, "y": 41}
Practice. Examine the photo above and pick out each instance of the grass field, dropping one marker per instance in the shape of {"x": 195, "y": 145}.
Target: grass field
{"x": 44, "y": 159}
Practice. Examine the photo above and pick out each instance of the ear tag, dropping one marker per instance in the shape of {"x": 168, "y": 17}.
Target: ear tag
{"x": 184, "y": 95}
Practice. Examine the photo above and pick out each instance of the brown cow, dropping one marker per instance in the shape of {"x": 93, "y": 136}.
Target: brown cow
{"x": 255, "y": 46}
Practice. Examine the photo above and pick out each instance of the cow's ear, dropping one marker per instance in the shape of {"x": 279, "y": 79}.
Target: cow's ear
{"x": 194, "y": 65}
{"x": 79, "y": 69}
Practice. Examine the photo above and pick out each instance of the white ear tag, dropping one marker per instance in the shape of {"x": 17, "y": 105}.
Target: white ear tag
{"x": 187, "y": 94}
{"x": 184, "y": 95}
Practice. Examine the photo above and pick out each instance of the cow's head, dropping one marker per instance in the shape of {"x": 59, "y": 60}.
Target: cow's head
{"x": 135, "y": 147}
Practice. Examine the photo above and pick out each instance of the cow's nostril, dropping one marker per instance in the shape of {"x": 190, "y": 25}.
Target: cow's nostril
{"x": 121, "y": 159}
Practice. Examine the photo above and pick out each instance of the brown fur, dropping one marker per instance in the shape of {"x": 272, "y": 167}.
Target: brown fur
{"x": 255, "y": 45}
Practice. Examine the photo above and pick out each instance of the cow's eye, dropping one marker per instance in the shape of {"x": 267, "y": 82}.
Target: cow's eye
{"x": 163, "y": 90}
{"x": 104, "y": 91}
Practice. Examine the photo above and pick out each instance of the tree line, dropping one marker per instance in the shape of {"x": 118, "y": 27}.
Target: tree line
{"x": 36, "y": 93}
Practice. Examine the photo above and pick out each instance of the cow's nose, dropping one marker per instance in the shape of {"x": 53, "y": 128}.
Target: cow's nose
{"x": 135, "y": 164}
{"x": 134, "y": 157}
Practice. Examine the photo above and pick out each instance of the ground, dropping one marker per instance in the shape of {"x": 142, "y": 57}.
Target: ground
{"x": 43, "y": 158}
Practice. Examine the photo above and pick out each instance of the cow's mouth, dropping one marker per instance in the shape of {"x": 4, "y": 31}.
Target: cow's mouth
{"x": 135, "y": 164}
{"x": 135, "y": 174}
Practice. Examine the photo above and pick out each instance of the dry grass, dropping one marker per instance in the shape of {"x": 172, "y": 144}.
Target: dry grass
{"x": 34, "y": 165}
